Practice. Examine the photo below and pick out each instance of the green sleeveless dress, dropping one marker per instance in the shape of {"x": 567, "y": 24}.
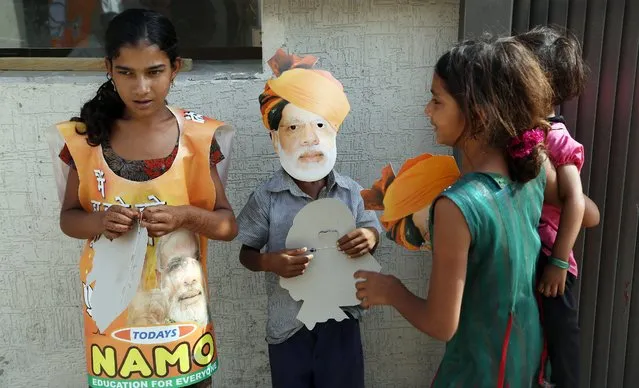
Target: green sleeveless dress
{"x": 499, "y": 339}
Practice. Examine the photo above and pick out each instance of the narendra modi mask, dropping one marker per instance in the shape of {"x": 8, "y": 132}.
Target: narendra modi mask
{"x": 303, "y": 109}
{"x": 406, "y": 197}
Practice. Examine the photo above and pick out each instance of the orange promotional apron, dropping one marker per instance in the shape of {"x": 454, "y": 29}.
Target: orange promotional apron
{"x": 146, "y": 318}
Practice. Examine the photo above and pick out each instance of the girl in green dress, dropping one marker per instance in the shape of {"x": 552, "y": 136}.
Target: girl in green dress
{"x": 489, "y": 99}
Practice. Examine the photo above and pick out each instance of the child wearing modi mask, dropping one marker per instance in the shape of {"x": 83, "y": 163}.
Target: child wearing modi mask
{"x": 303, "y": 108}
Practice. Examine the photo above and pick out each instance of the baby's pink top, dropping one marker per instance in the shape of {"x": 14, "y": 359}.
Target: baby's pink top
{"x": 562, "y": 149}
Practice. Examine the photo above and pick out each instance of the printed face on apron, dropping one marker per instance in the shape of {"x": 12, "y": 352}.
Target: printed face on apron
{"x": 181, "y": 278}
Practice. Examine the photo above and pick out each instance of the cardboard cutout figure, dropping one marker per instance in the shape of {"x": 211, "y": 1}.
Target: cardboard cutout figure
{"x": 116, "y": 274}
{"x": 406, "y": 197}
{"x": 328, "y": 282}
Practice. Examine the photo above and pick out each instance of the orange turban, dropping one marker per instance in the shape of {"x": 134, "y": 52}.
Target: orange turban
{"x": 416, "y": 185}
{"x": 314, "y": 90}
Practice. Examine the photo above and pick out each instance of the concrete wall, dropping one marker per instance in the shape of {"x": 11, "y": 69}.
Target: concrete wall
{"x": 383, "y": 52}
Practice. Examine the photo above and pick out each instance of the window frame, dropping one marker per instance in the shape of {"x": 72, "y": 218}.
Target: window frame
{"x": 11, "y": 56}
{"x": 43, "y": 60}
{"x": 196, "y": 53}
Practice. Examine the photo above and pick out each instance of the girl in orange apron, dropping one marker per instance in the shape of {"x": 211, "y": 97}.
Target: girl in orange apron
{"x": 145, "y": 189}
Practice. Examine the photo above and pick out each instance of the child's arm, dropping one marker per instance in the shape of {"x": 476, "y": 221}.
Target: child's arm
{"x": 252, "y": 259}
{"x": 551, "y": 191}
{"x": 438, "y": 314}
{"x": 78, "y": 223}
{"x": 572, "y": 214}
{"x": 365, "y": 238}
{"x": 591, "y": 214}
{"x": 254, "y": 226}
{"x": 359, "y": 242}
{"x": 220, "y": 223}
{"x": 287, "y": 263}
{"x": 551, "y": 196}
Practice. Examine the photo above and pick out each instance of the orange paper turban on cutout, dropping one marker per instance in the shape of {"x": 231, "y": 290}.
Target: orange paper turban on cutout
{"x": 314, "y": 90}
{"x": 416, "y": 185}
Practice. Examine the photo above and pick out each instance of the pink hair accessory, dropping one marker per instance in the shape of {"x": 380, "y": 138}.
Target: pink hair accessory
{"x": 521, "y": 146}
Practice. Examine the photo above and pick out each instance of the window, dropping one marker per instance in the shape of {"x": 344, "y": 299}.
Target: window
{"x": 207, "y": 29}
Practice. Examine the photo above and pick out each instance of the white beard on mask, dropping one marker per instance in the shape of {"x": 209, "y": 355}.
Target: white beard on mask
{"x": 308, "y": 171}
